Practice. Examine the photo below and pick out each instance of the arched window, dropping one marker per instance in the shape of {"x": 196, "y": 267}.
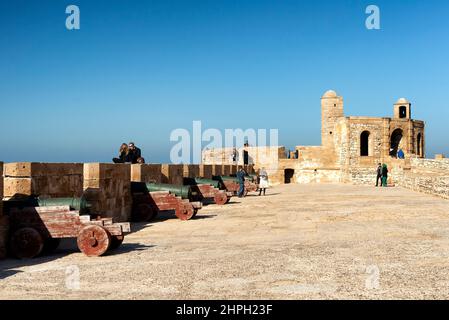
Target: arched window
{"x": 402, "y": 112}
{"x": 419, "y": 145}
{"x": 364, "y": 144}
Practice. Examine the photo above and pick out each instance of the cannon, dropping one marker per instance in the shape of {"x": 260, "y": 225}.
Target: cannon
{"x": 78, "y": 204}
{"x": 150, "y": 198}
{"x": 36, "y": 230}
{"x": 232, "y": 184}
{"x": 208, "y": 190}
{"x": 185, "y": 192}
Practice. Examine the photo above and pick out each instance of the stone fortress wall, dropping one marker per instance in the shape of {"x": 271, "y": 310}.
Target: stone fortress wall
{"x": 351, "y": 147}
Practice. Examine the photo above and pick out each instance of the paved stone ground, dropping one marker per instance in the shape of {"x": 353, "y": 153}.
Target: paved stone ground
{"x": 298, "y": 242}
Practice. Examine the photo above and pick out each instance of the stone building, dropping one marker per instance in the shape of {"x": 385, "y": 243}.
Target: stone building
{"x": 351, "y": 147}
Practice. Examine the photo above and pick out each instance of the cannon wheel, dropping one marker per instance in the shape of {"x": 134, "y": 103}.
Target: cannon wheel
{"x": 26, "y": 243}
{"x": 51, "y": 244}
{"x": 144, "y": 212}
{"x": 116, "y": 241}
{"x": 221, "y": 198}
{"x": 185, "y": 212}
{"x": 93, "y": 240}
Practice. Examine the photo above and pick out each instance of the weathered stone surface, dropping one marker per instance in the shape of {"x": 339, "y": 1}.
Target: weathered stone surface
{"x": 191, "y": 171}
{"x": 146, "y": 173}
{"x": 43, "y": 179}
{"x": 205, "y": 171}
{"x": 172, "y": 173}
{"x": 108, "y": 188}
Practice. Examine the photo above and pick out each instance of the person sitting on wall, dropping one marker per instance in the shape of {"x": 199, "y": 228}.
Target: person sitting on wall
{"x": 135, "y": 153}
{"x": 401, "y": 154}
{"x": 379, "y": 175}
{"x": 124, "y": 155}
{"x": 384, "y": 175}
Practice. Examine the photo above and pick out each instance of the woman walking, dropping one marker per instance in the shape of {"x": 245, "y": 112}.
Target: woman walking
{"x": 263, "y": 181}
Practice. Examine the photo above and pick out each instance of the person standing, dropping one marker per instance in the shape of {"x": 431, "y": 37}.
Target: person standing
{"x": 384, "y": 175}
{"x": 124, "y": 155}
{"x": 234, "y": 156}
{"x": 241, "y": 174}
{"x": 134, "y": 152}
{"x": 263, "y": 181}
{"x": 379, "y": 175}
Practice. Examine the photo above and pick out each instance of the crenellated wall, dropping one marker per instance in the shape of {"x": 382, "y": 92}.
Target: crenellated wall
{"x": 108, "y": 188}
{"x": 54, "y": 180}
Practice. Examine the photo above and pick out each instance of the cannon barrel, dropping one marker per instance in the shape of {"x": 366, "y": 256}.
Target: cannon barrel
{"x": 185, "y": 192}
{"x": 79, "y": 204}
{"x": 194, "y": 181}
{"x": 229, "y": 178}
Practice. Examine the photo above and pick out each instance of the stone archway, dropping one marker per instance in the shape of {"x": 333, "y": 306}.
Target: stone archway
{"x": 396, "y": 142}
{"x": 364, "y": 144}
{"x": 419, "y": 149}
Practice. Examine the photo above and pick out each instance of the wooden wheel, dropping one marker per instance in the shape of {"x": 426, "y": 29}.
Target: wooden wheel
{"x": 220, "y": 198}
{"x": 26, "y": 243}
{"x": 93, "y": 240}
{"x": 144, "y": 212}
{"x": 116, "y": 241}
{"x": 51, "y": 244}
{"x": 185, "y": 212}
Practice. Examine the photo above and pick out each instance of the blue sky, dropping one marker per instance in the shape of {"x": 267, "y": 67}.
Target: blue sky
{"x": 136, "y": 70}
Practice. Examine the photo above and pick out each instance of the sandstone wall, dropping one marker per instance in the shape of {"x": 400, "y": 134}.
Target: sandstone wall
{"x": 53, "y": 180}
{"x": 172, "y": 173}
{"x": 428, "y": 176}
{"x": 108, "y": 188}
{"x": 146, "y": 173}
{"x": 191, "y": 171}
{"x": 205, "y": 171}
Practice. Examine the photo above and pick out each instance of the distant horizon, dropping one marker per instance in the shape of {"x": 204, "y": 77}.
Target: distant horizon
{"x": 137, "y": 70}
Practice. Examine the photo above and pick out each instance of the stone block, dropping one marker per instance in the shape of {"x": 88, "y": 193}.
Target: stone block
{"x": 172, "y": 173}
{"x": 146, "y": 173}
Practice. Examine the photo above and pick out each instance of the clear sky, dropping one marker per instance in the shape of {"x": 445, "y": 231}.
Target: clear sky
{"x": 136, "y": 70}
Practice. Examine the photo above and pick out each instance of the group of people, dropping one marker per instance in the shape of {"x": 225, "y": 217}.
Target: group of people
{"x": 129, "y": 153}
{"x": 262, "y": 181}
{"x": 382, "y": 175}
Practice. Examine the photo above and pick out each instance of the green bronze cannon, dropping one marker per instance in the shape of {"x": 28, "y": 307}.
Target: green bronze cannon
{"x": 185, "y": 192}
{"x": 195, "y": 181}
{"x": 78, "y": 204}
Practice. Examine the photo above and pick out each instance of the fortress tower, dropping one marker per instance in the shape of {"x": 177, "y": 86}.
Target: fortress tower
{"x": 331, "y": 111}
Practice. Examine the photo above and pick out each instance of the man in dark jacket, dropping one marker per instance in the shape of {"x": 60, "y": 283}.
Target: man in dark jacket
{"x": 241, "y": 174}
{"x": 379, "y": 175}
{"x": 134, "y": 152}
